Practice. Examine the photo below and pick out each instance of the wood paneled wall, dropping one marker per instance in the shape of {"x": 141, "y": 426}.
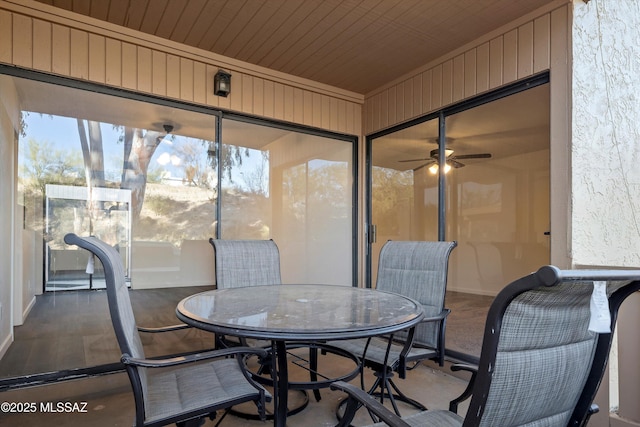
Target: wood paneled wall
{"x": 51, "y": 42}
{"x": 498, "y": 59}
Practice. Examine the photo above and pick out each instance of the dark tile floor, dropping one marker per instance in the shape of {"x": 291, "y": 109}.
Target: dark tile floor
{"x": 68, "y": 330}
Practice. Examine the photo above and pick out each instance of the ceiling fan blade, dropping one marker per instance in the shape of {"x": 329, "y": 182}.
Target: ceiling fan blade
{"x": 454, "y": 163}
{"x": 414, "y": 160}
{"x": 423, "y": 165}
{"x": 473, "y": 156}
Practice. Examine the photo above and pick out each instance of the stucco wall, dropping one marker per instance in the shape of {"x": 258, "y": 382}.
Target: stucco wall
{"x": 606, "y": 133}
{"x": 605, "y": 174}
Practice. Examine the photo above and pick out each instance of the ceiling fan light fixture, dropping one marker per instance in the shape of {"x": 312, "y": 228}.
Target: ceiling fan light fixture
{"x": 433, "y": 169}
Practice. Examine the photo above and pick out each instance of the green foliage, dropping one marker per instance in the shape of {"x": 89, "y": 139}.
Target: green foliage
{"x": 391, "y": 189}
{"x": 154, "y": 174}
{"x": 230, "y": 156}
{"x": 23, "y": 124}
{"x": 160, "y": 205}
{"x": 42, "y": 164}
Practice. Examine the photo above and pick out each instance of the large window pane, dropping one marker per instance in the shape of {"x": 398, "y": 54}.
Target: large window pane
{"x": 404, "y": 191}
{"x": 294, "y": 188}
{"x": 144, "y": 175}
{"x": 498, "y": 207}
{"x": 496, "y": 187}
{"x": 137, "y": 175}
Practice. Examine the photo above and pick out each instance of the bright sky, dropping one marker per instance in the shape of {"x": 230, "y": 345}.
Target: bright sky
{"x": 62, "y": 132}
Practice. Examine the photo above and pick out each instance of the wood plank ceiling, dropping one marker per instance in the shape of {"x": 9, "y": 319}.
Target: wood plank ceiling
{"x": 357, "y": 45}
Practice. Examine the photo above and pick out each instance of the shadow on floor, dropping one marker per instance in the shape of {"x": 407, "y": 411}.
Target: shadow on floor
{"x": 67, "y": 330}
{"x": 107, "y": 401}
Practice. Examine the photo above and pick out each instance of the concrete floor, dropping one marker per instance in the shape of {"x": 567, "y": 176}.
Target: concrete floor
{"x": 72, "y": 329}
{"x": 109, "y": 401}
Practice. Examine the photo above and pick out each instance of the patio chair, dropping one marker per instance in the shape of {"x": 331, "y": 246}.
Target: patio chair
{"x": 181, "y": 389}
{"x": 245, "y": 263}
{"x": 255, "y": 263}
{"x": 417, "y": 269}
{"x": 541, "y": 363}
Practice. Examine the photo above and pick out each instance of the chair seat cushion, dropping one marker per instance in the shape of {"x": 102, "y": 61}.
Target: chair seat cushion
{"x": 437, "y": 418}
{"x": 190, "y": 387}
{"x": 377, "y": 350}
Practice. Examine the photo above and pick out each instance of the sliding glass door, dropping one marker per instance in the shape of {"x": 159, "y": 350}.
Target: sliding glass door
{"x": 295, "y": 188}
{"x": 498, "y": 206}
{"x": 404, "y": 192}
{"x": 137, "y": 174}
{"x": 158, "y": 179}
{"x": 495, "y": 184}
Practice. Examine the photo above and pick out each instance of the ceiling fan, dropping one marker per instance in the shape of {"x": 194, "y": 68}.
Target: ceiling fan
{"x": 451, "y": 159}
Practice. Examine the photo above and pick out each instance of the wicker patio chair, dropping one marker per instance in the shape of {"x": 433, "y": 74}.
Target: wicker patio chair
{"x": 541, "y": 364}
{"x": 181, "y": 389}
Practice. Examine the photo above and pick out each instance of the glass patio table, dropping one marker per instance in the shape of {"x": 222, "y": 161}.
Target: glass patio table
{"x": 288, "y": 314}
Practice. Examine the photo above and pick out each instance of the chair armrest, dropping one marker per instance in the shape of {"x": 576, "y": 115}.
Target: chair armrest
{"x": 164, "y": 328}
{"x": 453, "y": 405}
{"x": 440, "y": 316}
{"x": 405, "y": 357}
{"x": 356, "y": 398}
{"x": 190, "y": 358}
{"x": 464, "y": 367}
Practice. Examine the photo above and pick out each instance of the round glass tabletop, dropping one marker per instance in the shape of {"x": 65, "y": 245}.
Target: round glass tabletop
{"x": 300, "y": 312}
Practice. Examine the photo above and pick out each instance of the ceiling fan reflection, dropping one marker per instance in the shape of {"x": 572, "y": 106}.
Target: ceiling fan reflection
{"x": 451, "y": 159}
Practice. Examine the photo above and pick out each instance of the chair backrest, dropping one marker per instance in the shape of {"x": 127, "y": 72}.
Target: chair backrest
{"x": 540, "y": 365}
{"x": 246, "y": 263}
{"x": 418, "y": 270}
{"x": 120, "y": 309}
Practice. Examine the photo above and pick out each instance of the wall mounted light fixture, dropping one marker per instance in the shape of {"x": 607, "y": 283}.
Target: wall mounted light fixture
{"x": 222, "y": 83}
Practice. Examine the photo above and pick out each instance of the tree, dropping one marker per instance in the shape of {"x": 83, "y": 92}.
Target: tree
{"x": 392, "y": 189}
{"x": 195, "y": 167}
{"x": 138, "y": 148}
{"x": 139, "y": 145}
{"x": 42, "y": 164}
{"x": 230, "y": 156}
{"x": 257, "y": 180}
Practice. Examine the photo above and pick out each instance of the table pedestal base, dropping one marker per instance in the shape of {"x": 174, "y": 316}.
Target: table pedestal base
{"x": 317, "y": 380}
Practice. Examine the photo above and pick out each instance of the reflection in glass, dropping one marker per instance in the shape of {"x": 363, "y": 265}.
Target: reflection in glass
{"x": 293, "y": 188}
{"x": 404, "y": 193}
{"x": 496, "y": 198}
{"x": 300, "y": 308}
{"x": 498, "y": 207}
{"x": 102, "y": 212}
{"x": 145, "y": 177}
{"x": 87, "y": 154}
